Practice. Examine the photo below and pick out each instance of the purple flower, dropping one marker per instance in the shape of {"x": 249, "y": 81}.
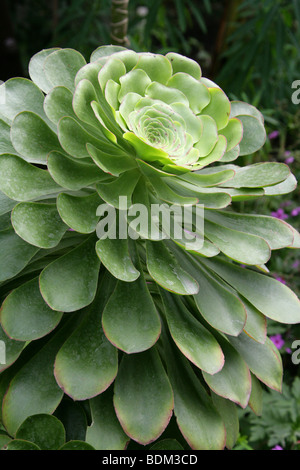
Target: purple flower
{"x": 277, "y": 340}
{"x": 289, "y": 160}
{"x": 288, "y": 157}
{"x": 273, "y": 135}
{"x": 279, "y": 214}
{"x": 295, "y": 212}
{"x": 280, "y": 279}
{"x": 277, "y": 447}
{"x": 296, "y": 264}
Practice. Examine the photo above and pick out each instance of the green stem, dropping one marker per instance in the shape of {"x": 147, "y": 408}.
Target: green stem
{"x": 119, "y": 22}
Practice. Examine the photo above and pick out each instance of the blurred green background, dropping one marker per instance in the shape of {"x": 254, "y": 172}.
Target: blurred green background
{"x": 251, "y": 48}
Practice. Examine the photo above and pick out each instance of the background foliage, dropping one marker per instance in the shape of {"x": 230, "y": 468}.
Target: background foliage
{"x": 251, "y": 48}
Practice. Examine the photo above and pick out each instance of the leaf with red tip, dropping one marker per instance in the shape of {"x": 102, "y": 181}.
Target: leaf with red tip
{"x": 143, "y": 396}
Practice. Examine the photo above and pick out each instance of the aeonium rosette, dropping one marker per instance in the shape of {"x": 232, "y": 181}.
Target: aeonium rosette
{"x": 171, "y": 114}
{"x": 146, "y": 316}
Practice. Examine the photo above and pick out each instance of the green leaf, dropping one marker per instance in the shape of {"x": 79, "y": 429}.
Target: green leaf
{"x": 70, "y": 282}
{"x": 274, "y": 299}
{"x": 12, "y": 350}
{"x": 105, "y": 431}
{"x": 79, "y": 212}
{"x": 256, "y": 397}
{"x": 125, "y": 324}
{"x": 190, "y": 336}
{"x": 87, "y": 362}
{"x": 58, "y": 103}
{"x": 24, "y": 314}
{"x": 113, "y": 164}
{"x": 231, "y": 313}
{"x": 215, "y": 154}
{"x": 240, "y": 246}
{"x": 233, "y": 381}
{"x": 44, "y": 430}
{"x": 262, "y": 359}
{"x": 120, "y": 187}
{"x": 21, "y": 95}
{"x": 74, "y": 138}
{"x": 203, "y": 180}
{"x": 112, "y": 69}
{"x": 33, "y": 390}
{"x": 157, "y": 67}
{"x": 5, "y": 145}
{"x": 36, "y": 69}
{"x": 218, "y": 107}
{"x": 259, "y": 175}
{"x": 233, "y": 133}
{"x": 20, "y": 444}
{"x": 143, "y": 396}
{"x": 61, "y": 67}
{"x": 4, "y": 439}
{"x": 229, "y": 414}
{"x": 256, "y": 323}
{"x": 72, "y": 174}
{"x": 276, "y": 232}
{"x": 22, "y": 181}
{"x": 32, "y": 138}
{"x": 285, "y": 187}
{"x": 197, "y": 93}
{"x": 115, "y": 256}
{"x": 167, "y": 272}
{"x": 211, "y": 198}
{"x": 15, "y": 254}
{"x": 254, "y": 135}
{"x": 6, "y": 204}
{"x": 197, "y": 418}
{"x": 239, "y": 108}
{"x": 76, "y": 445}
{"x": 181, "y": 63}
{"x": 105, "y": 51}
{"x": 38, "y": 224}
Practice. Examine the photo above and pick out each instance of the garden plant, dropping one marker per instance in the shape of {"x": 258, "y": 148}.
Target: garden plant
{"x": 112, "y": 339}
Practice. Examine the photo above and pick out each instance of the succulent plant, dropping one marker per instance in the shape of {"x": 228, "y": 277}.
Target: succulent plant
{"x": 143, "y": 331}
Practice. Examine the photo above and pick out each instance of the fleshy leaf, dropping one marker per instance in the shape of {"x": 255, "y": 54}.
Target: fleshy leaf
{"x": 143, "y": 396}
{"x": 79, "y": 212}
{"x": 21, "y": 181}
{"x": 72, "y": 174}
{"x": 36, "y": 69}
{"x": 33, "y": 389}
{"x": 24, "y": 314}
{"x": 276, "y": 232}
{"x": 94, "y": 366}
{"x": 197, "y": 418}
{"x": 262, "y": 359}
{"x": 269, "y": 296}
{"x": 32, "y": 138}
{"x": 167, "y": 272}
{"x": 38, "y": 224}
{"x": 233, "y": 381}
{"x": 127, "y": 326}
{"x": 70, "y": 282}
{"x": 105, "y": 431}
{"x": 115, "y": 256}
{"x": 44, "y": 430}
{"x": 61, "y": 67}
{"x": 15, "y": 254}
{"x": 191, "y": 337}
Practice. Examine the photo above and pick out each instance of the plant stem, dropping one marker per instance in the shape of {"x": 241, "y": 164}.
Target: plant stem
{"x": 119, "y": 22}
